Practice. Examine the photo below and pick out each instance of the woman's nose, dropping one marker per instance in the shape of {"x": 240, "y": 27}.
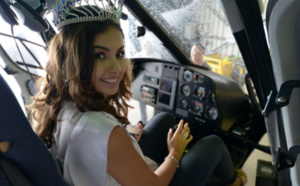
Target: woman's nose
{"x": 115, "y": 65}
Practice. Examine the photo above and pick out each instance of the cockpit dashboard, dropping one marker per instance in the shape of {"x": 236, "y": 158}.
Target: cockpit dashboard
{"x": 199, "y": 96}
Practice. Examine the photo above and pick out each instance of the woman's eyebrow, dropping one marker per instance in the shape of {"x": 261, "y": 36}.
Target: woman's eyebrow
{"x": 106, "y": 49}
{"x": 101, "y": 47}
{"x": 121, "y": 48}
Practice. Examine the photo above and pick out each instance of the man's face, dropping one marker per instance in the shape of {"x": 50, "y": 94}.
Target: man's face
{"x": 196, "y": 54}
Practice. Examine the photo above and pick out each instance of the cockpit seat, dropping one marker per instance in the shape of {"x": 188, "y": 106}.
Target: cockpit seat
{"x": 11, "y": 175}
{"x": 26, "y": 153}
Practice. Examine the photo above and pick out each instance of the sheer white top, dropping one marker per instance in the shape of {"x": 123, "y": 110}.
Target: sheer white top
{"x": 80, "y": 145}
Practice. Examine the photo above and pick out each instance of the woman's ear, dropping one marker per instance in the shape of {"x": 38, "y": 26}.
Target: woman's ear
{"x": 4, "y": 146}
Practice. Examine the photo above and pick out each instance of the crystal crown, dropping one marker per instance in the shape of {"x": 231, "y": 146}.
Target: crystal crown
{"x": 68, "y": 12}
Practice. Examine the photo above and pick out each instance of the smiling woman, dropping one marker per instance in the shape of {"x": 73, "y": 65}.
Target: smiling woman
{"x": 110, "y": 63}
{"x": 86, "y": 72}
{"x": 79, "y": 75}
{"x": 80, "y": 111}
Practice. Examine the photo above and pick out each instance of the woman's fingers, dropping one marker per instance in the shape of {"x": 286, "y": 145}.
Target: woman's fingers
{"x": 185, "y": 131}
{"x": 141, "y": 123}
{"x": 140, "y": 126}
{"x": 179, "y": 127}
{"x": 170, "y": 134}
{"x": 186, "y": 135}
{"x": 182, "y": 130}
{"x": 140, "y": 130}
{"x": 190, "y": 138}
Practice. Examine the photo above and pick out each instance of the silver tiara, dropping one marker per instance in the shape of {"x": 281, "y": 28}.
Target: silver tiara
{"x": 68, "y": 12}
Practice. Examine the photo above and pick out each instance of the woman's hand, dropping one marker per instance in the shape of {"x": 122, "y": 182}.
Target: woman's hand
{"x": 178, "y": 141}
{"x": 140, "y": 130}
{"x": 135, "y": 130}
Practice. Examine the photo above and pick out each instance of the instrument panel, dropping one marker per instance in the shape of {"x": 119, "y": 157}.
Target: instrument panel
{"x": 199, "y": 96}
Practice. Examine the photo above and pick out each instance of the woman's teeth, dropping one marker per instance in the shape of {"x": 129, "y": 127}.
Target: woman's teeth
{"x": 110, "y": 80}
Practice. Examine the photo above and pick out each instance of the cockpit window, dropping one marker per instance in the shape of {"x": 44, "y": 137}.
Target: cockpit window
{"x": 23, "y": 46}
{"x": 144, "y": 46}
{"x": 198, "y": 27}
{"x": 192, "y": 22}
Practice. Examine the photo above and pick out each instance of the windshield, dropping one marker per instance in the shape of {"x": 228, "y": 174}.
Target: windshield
{"x": 142, "y": 43}
{"x": 197, "y": 22}
{"x": 198, "y": 27}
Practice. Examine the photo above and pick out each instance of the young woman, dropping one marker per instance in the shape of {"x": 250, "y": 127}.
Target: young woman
{"x": 80, "y": 112}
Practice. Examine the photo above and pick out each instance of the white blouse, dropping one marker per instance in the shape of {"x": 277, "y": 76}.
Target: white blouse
{"x": 80, "y": 146}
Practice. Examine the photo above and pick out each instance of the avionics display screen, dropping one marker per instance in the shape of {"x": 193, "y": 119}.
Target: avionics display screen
{"x": 166, "y": 93}
{"x": 166, "y": 85}
{"x": 164, "y": 98}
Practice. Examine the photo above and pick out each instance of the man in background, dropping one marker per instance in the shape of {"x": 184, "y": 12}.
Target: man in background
{"x": 197, "y": 54}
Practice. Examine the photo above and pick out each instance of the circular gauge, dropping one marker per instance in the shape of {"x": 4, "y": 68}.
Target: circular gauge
{"x": 212, "y": 113}
{"x": 197, "y": 108}
{"x": 183, "y": 103}
{"x": 199, "y": 91}
{"x": 187, "y": 76}
{"x": 186, "y": 90}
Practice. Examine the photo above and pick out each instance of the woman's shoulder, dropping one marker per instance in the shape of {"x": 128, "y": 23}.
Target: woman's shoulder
{"x": 92, "y": 127}
{"x": 95, "y": 120}
{"x": 70, "y": 112}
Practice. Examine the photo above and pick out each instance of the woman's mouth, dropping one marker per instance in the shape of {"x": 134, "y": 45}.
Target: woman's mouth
{"x": 110, "y": 82}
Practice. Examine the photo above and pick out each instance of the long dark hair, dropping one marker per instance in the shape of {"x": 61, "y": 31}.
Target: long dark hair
{"x": 69, "y": 70}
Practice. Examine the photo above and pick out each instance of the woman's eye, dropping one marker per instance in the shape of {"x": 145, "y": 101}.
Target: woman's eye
{"x": 121, "y": 54}
{"x": 99, "y": 56}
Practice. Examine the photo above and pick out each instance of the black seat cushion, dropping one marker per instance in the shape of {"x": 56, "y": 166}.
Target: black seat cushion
{"x": 11, "y": 175}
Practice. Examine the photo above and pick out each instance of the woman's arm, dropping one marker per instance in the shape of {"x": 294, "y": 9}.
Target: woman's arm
{"x": 127, "y": 166}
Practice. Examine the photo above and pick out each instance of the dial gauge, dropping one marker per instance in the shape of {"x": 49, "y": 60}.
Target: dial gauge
{"x": 186, "y": 90}
{"x": 183, "y": 103}
{"x": 187, "y": 76}
{"x": 212, "y": 113}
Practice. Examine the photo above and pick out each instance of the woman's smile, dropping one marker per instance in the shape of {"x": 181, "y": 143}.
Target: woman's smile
{"x": 110, "y": 64}
{"x": 110, "y": 82}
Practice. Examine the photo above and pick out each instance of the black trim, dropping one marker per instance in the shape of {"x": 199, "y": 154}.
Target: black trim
{"x": 7, "y": 14}
{"x": 30, "y": 14}
{"x": 256, "y": 57}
